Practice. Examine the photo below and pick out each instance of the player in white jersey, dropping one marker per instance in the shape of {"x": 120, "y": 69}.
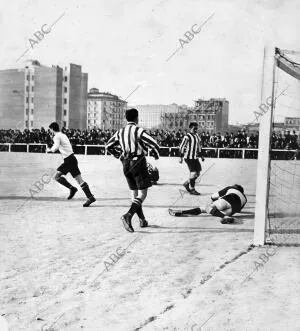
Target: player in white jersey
{"x": 62, "y": 143}
{"x": 225, "y": 203}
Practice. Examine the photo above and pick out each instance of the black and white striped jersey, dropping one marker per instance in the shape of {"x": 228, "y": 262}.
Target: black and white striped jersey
{"x": 190, "y": 146}
{"x": 134, "y": 141}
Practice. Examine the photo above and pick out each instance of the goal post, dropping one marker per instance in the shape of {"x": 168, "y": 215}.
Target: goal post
{"x": 265, "y": 127}
{"x": 278, "y": 176}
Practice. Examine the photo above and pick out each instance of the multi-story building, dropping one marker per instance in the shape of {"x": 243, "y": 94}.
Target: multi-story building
{"x": 174, "y": 121}
{"x": 75, "y": 89}
{"x": 211, "y": 116}
{"x": 38, "y": 95}
{"x": 292, "y": 124}
{"x": 12, "y": 95}
{"x": 150, "y": 116}
{"x": 105, "y": 110}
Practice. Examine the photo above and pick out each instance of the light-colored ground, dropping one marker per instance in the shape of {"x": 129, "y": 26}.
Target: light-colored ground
{"x": 179, "y": 274}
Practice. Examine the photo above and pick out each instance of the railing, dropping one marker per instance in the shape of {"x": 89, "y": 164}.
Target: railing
{"x": 236, "y": 153}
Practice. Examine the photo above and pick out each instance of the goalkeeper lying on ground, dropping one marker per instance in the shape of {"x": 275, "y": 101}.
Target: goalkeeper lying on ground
{"x": 226, "y": 203}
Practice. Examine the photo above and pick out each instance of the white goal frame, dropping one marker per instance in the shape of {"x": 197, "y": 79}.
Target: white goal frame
{"x": 263, "y": 162}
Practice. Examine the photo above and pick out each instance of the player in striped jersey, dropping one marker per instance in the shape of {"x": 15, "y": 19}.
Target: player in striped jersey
{"x": 62, "y": 143}
{"x": 134, "y": 144}
{"x": 190, "y": 149}
{"x": 225, "y": 203}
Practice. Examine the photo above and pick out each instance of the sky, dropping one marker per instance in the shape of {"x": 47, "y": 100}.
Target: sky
{"x": 125, "y": 47}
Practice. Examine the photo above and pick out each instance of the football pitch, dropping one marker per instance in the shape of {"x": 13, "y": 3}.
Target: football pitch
{"x": 65, "y": 267}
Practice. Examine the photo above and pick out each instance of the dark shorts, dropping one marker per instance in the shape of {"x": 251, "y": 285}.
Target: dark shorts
{"x": 70, "y": 165}
{"x": 136, "y": 173}
{"x": 193, "y": 164}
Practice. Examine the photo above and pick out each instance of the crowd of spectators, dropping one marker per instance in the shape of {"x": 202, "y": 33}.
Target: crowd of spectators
{"x": 42, "y": 136}
{"x": 229, "y": 140}
{"x": 286, "y": 141}
{"x": 165, "y": 138}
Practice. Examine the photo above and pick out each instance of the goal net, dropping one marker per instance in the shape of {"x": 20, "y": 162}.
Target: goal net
{"x": 279, "y": 154}
{"x": 283, "y": 204}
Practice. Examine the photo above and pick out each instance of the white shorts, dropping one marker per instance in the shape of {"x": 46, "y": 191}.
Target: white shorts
{"x": 222, "y": 205}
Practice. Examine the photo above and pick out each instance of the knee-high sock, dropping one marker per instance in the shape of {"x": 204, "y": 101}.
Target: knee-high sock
{"x": 135, "y": 206}
{"x": 140, "y": 213}
{"x": 86, "y": 190}
{"x": 192, "y": 182}
{"x": 62, "y": 181}
{"x": 194, "y": 211}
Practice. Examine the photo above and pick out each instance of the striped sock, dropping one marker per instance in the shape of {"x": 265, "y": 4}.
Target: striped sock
{"x": 135, "y": 206}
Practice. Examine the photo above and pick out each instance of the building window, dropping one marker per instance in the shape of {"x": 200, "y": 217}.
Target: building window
{"x": 65, "y": 124}
{"x": 28, "y": 77}
{"x": 65, "y": 100}
{"x": 65, "y": 112}
{"x": 31, "y": 123}
{"x": 27, "y": 88}
{"x": 66, "y": 78}
{"x": 26, "y": 124}
{"x": 27, "y": 99}
{"x": 32, "y": 88}
{"x": 27, "y": 111}
{"x": 32, "y": 100}
{"x": 32, "y": 77}
{"x": 66, "y": 89}
{"x": 31, "y": 111}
